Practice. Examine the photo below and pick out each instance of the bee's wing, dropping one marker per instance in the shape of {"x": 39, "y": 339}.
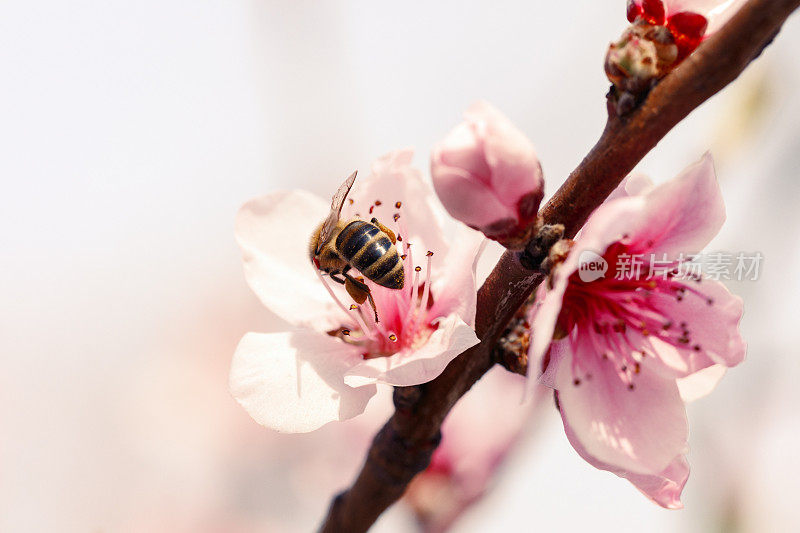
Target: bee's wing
{"x": 336, "y": 208}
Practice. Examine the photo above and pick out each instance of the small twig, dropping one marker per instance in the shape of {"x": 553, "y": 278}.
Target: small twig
{"x": 404, "y": 445}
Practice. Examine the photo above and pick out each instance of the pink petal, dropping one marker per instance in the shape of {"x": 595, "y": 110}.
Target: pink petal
{"x": 714, "y": 336}
{"x": 515, "y": 168}
{"x": 461, "y": 149}
{"x": 293, "y": 382}
{"x": 467, "y": 199}
{"x": 639, "y": 430}
{"x": 632, "y": 185}
{"x": 542, "y": 318}
{"x": 683, "y": 214}
{"x": 273, "y": 233}
{"x": 456, "y": 292}
{"x": 420, "y": 365}
{"x": 664, "y": 488}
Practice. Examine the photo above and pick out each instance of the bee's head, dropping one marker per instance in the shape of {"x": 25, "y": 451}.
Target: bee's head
{"x": 315, "y": 246}
{"x": 323, "y": 254}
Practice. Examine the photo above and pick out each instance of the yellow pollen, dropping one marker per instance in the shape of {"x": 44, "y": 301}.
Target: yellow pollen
{"x": 393, "y": 337}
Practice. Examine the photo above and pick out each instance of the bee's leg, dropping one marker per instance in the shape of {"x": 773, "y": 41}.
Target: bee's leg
{"x": 389, "y": 233}
{"x": 359, "y": 291}
{"x": 333, "y": 275}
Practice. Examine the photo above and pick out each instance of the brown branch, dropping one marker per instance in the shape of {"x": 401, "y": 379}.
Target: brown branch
{"x": 404, "y": 445}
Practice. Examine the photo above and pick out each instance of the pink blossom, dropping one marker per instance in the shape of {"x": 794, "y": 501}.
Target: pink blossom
{"x": 327, "y": 366}
{"x": 475, "y": 441}
{"x": 625, "y": 351}
{"x": 487, "y": 175}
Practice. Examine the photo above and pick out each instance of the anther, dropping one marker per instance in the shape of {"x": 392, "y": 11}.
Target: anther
{"x": 400, "y": 238}
{"x": 398, "y": 204}
{"x": 576, "y": 382}
{"x": 396, "y": 217}
{"x": 378, "y": 202}
{"x": 710, "y": 301}
{"x": 350, "y": 201}
{"x": 696, "y": 347}
{"x": 417, "y": 269}
{"x": 429, "y": 254}
{"x": 345, "y": 331}
{"x": 353, "y": 307}
{"x": 393, "y": 337}
{"x": 630, "y": 386}
{"x": 371, "y": 209}
{"x": 403, "y": 257}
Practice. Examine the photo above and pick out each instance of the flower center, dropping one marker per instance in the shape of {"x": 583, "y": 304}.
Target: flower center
{"x": 621, "y": 314}
{"x": 403, "y": 314}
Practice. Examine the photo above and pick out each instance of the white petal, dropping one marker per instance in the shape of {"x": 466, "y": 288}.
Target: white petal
{"x": 293, "y": 381}
{"x": 633, "y": 184}
{"x": 700, "y": 383}
{"x": 413, "y": 367}
{"x": 457, "y": 291}
{"x": 273, "y": 232}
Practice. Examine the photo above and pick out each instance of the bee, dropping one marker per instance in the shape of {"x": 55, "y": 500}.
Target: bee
{"x": 369, "y": 247}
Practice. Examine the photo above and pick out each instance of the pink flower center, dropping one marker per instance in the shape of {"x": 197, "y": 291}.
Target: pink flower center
{"x": 404, "y": 321}
{"x": 620, "y": 314}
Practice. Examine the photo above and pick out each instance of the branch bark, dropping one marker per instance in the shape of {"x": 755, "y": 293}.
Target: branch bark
{"x": 404, "y": 445}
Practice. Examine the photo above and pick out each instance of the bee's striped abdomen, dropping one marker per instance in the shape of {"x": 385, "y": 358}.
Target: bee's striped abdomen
{"x": 371, "y": 252}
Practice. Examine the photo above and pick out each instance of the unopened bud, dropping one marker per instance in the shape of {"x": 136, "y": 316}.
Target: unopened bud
{"x": 487, "y": 175}
{"x": 661, "y": 35}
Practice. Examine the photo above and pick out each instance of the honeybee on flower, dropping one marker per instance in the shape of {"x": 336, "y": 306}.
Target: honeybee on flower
{"x": 327, "y": 366}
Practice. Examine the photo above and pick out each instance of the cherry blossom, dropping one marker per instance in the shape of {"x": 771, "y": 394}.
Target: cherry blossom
{"x": 328, "y": 365}
{"x": 624, "y": 352}
{"x": 475, "y": 442}
{"x": 487, "y": 175}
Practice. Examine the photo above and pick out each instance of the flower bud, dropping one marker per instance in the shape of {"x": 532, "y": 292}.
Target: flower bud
{"x": 661, "y": 35}
{"x": 487, "y": 175}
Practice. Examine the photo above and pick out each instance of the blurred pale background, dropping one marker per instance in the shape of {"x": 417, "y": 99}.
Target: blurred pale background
{"x": 130, "y": 132}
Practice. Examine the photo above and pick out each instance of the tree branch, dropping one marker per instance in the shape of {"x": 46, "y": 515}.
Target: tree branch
{"x": 403, "y": 447}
